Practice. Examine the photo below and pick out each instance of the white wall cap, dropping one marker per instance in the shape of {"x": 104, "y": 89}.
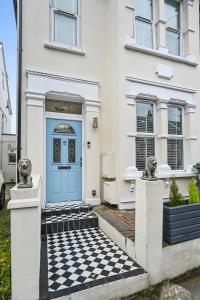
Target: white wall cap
{"x": 164, "y": 71}
{"x": 166, "y": 172}
{"x": 132, "y": 173}
{"x": 23, "y": 203}
{"x": 190, "y": 169}
{"x": 163, "y": 168}
{"x": 18, "y": 194}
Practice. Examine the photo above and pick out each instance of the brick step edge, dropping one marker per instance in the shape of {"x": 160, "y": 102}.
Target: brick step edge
{"x": 69, "y": 225}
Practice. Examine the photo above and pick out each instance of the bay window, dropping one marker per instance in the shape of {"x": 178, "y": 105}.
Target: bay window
{"x": 144, "y": 23}
{"x": 172, "y": 18}
{"x": 65, "y": 22}
{"x": 145, "y": 140}
{"x": 175, "y": 138}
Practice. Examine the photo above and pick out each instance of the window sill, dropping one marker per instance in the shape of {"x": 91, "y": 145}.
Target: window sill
{"x": 132, "y": 46}
{"x": 65, "y": 48}
{"x": 177, "y": 174}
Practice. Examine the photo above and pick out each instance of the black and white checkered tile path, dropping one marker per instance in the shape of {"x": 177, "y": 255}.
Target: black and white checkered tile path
{"x": 84, "y": 258}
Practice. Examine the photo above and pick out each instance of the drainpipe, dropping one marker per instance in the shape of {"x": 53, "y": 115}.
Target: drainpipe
{"x": 19, "y": 80}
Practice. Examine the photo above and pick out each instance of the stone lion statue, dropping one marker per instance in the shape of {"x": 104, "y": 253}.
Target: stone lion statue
{"x": 25, "y": 168}
{"x": 149, "y": 172}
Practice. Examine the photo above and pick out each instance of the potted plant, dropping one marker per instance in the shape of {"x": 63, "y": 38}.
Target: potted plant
{"x": 181, "y": 218}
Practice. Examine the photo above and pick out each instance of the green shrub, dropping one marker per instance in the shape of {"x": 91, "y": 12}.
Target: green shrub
{"x": 194, "y": 196}
{"x": 176, "y": 197}
{"x": 5, "y": 269}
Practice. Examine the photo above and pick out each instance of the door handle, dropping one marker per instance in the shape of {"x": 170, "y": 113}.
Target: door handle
{"x": 64, "y": 167}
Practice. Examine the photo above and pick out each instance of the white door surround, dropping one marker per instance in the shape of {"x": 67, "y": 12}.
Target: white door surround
{"x": 42, "y": 86}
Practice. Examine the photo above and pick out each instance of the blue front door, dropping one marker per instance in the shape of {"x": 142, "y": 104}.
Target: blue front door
{"x": 64, "y": 160}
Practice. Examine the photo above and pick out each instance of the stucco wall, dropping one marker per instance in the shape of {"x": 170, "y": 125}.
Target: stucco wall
{"x": 105, "y": 28}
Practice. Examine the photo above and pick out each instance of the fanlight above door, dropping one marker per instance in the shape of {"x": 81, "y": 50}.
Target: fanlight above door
{"x": 64, "y": 128}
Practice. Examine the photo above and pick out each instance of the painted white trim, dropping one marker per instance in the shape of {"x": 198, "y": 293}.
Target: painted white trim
{"x": 35, "y": 102}
{"x": 131, "y": 46}
{"x": 63, "y": 47}
{"x": 131, "y": 134}
{"x": 191, "y": 138}
{"x": 61, "y": 77}
{"x": 92, "y": 201}
{"x": 71, "y": 117}
{"x": 160, "y": 84}
{"x": 172, "y": 173}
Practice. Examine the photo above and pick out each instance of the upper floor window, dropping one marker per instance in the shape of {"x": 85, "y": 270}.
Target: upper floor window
{"x": 144, "y": 23}
{"x": 65, "y": 21}
{"x": 145, "y": 140}
{"x": 175, "y": 138}
{"x": 172, "y": 17}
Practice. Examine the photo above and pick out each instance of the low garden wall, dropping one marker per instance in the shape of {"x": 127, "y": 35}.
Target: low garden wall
{"x": 160, "y": 262}
{"x": 25, "y": 206}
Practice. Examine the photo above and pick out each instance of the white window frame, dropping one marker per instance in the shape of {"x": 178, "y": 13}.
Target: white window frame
{"x": 180, "y": 31}
{"x": 146, "y": 134}
{"x": 152, "y": 22}
{"x": 176, "y": 136}
{"x": 53, "y": 10}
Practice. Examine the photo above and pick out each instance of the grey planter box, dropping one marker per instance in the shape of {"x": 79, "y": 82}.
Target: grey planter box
{"x": 181, "y": 223}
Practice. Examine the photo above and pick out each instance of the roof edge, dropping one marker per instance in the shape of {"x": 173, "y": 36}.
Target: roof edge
{"x": 8, "y": 89}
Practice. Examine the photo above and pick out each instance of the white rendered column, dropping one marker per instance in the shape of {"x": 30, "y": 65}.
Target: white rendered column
{"x": 25, "y": 207}
{"x": 148, "y": 227}
{"x": 160, "y": 27}
{"x": 162, "y": 131}
{"x": 190, "y": 17}
{"x": 91, "y": 155}
{"x": 190, "y": 140}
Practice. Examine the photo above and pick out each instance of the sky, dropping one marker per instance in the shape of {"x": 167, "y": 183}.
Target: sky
{"x": 8, "y": 36}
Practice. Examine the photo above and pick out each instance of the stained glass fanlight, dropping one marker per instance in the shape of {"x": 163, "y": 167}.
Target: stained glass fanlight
{"x": 64, "y": 128}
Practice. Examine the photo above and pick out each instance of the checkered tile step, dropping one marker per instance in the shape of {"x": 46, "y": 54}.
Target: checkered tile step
{"x": 67, "y": 218}
{"x": 82, "y": 259}
{"x": 66, "y": 209}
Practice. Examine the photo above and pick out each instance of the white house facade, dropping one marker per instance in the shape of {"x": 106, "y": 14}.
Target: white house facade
{"x": 105, "y": 85}
{"x": 7, "y": 141}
